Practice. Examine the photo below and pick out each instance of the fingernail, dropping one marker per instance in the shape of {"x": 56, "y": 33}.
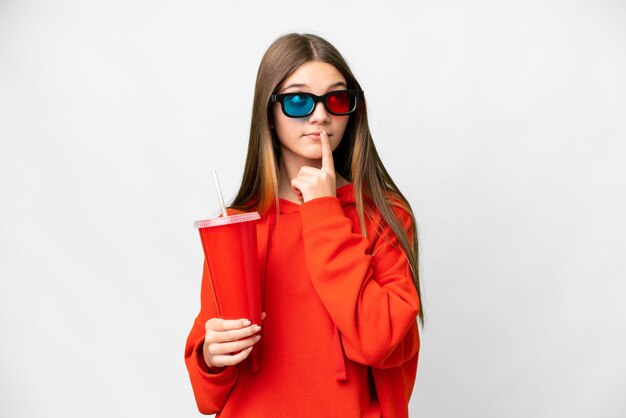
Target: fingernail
{"x": 257, "y": 328}
{"x": 246, "y": 323}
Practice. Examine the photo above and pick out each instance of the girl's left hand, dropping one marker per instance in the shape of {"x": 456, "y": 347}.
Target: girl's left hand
{"x": 314, "y": 182}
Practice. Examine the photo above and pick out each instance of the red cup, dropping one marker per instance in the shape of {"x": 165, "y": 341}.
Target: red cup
{"x": 230, "y": 251}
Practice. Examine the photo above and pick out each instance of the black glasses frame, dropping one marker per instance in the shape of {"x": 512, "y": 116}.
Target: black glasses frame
{"x": 280, "y": 98}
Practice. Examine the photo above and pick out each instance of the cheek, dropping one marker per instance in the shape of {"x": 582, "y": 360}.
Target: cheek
{"x": 285, "y": 127}
{"x": 341, "y": 124}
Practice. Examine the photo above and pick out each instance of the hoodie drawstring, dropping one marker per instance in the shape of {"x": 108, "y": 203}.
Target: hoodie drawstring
{"x": 340, "y": 363}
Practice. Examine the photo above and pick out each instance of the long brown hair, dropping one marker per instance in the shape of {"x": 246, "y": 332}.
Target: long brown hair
{"x": 355, "y": 158}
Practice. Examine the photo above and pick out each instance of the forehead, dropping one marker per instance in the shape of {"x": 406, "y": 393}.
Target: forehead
{"x": 314, "y": 75}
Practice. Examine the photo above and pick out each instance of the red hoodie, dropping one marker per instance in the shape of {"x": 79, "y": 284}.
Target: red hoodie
{"x": 340, "y": 338}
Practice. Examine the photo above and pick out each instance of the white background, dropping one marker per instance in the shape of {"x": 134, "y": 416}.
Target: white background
{"x": 503, "y": 123}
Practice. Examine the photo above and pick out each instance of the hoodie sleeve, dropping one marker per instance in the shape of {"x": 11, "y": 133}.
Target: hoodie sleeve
{"x": 367, "y": 289}
{"x": 211, "y": 390}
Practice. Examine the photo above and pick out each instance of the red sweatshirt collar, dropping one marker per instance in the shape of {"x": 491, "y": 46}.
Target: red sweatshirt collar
{"x": 344, "y": 193}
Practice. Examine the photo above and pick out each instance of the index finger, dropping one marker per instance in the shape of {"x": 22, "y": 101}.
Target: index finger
{"x": 218, "y": 324}
{"x": 327, "y": 153}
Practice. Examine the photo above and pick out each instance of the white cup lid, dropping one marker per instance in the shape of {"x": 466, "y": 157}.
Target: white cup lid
{"x": 232, "y": 219}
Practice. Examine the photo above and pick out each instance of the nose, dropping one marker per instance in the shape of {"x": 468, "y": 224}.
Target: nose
{"x": 319, "y": 115}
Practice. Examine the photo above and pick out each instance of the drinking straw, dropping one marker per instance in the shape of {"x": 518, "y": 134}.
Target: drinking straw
{"x": 219, "y": 194}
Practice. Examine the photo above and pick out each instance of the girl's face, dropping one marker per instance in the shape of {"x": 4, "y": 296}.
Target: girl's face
{"x": 297, "y": 135}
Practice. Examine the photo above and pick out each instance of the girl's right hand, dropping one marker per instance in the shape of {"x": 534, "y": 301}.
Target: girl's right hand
{"x": 224, "y": 336}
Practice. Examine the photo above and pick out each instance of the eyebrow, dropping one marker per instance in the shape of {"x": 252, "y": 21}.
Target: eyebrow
{"x": 337, "y": 84}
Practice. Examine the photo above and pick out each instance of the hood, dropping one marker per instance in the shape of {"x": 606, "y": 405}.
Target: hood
{"x": 344, "y": 193}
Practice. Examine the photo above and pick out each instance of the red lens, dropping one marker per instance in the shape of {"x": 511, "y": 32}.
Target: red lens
{"x": 339, "y": 102}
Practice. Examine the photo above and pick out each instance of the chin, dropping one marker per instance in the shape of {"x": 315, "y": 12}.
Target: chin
{"x": 313, "y": 152}
{"x": 312, "y": 156}
{"x": 308, "y": 152}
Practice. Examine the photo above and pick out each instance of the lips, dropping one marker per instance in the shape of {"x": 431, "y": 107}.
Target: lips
{"x": 316, "y": 134}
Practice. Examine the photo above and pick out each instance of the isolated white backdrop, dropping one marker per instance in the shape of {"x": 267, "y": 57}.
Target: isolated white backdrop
{"x": 503, "y": 122}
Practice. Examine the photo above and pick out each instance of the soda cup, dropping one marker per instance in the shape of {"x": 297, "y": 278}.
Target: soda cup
{"x": 230, "y": 251}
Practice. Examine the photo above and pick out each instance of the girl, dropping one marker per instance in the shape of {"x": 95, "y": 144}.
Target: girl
{"x": 338, "y": 250}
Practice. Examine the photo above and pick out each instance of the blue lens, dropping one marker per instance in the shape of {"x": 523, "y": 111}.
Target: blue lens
{"x": 298, "y": 104}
